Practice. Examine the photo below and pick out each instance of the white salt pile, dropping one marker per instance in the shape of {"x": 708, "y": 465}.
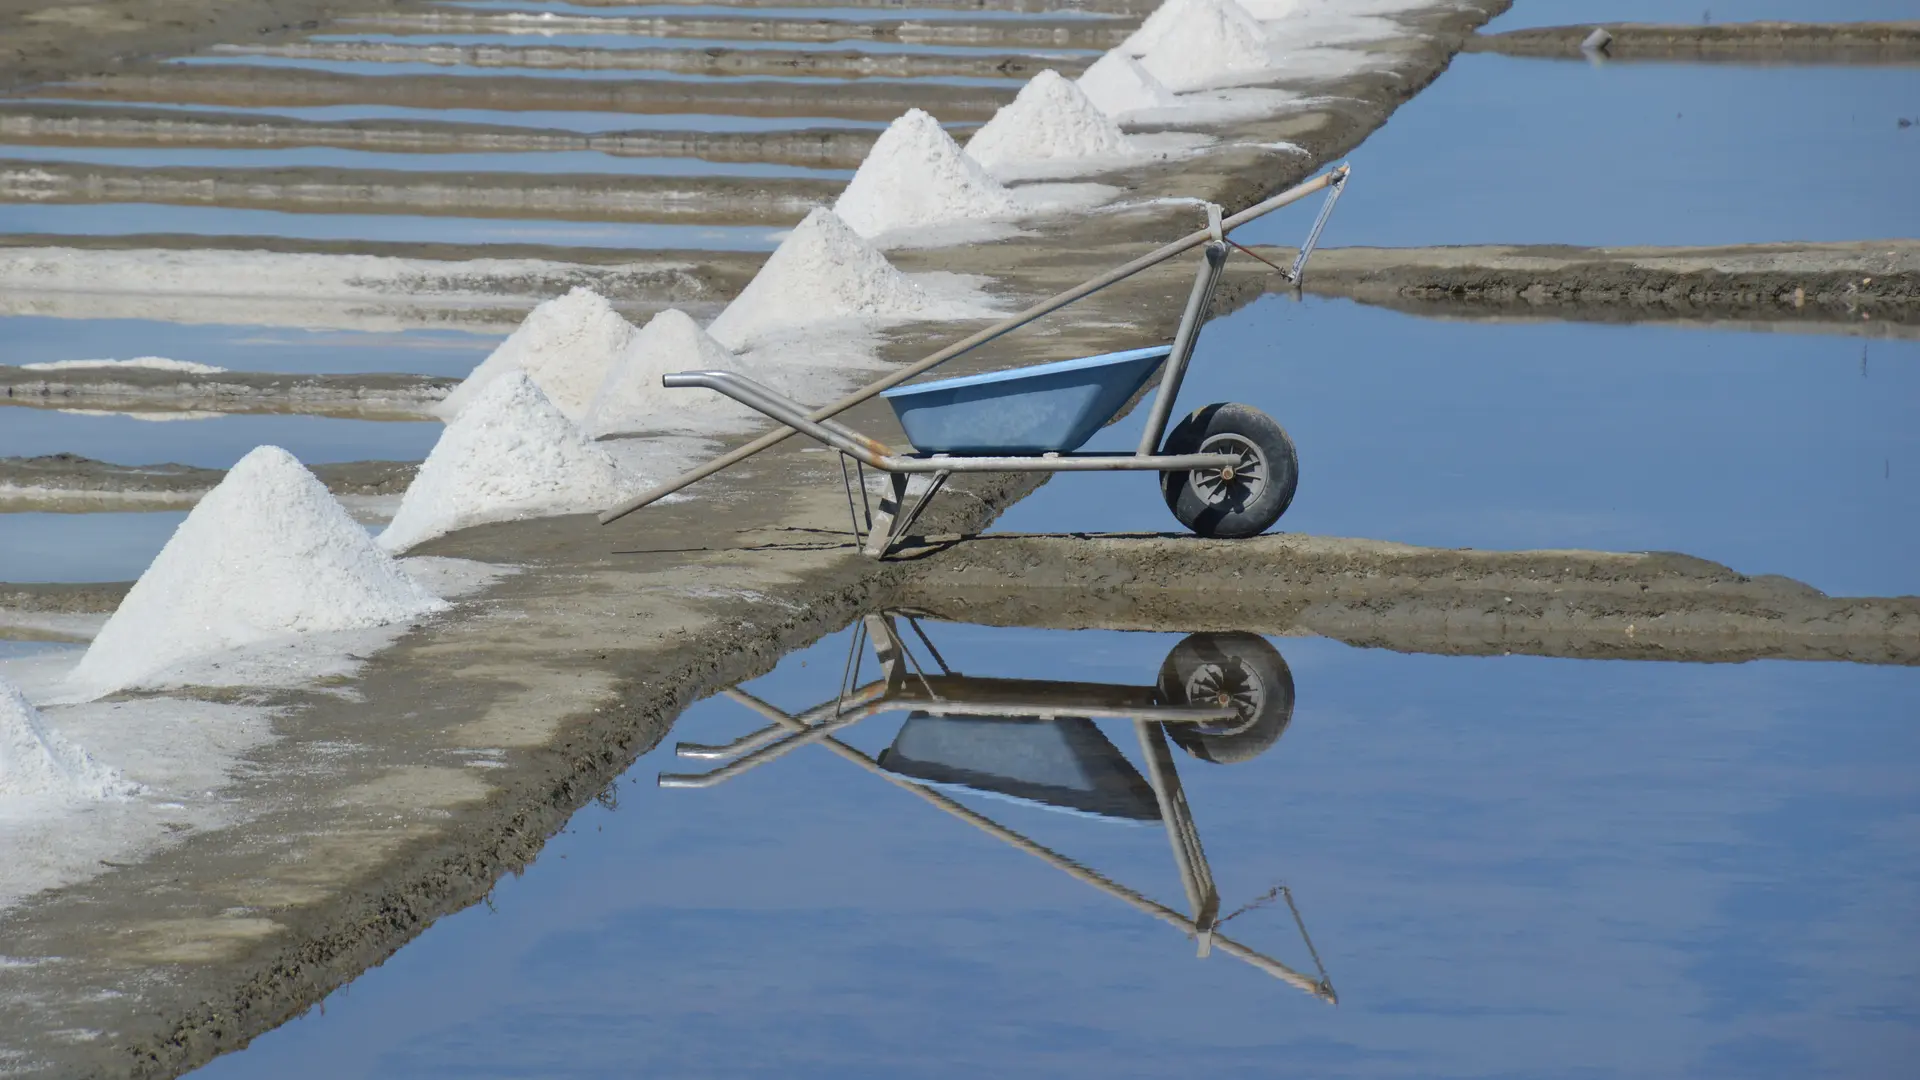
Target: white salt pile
{"x": 1194, "y": 44}
{"x": 632, "y": 399}
{"x": 267, "y": 553}
{"x": 567, "y": 345}
{"x": 823, "y": 270}
{"x": 916, "y": 176}
{"x": 510, "y": 454}
{"x": 1050, "y": 119}
{"x": 37, "y": 764}
{"x": 146, "y": 363}
{"x": 1117, "y": 85}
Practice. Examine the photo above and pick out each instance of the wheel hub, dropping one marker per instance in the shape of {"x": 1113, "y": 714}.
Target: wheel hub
{"x": 1231, "y": 485}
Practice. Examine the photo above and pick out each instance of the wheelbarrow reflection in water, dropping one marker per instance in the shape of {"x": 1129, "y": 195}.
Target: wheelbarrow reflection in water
{"x": 1221, "y": 697}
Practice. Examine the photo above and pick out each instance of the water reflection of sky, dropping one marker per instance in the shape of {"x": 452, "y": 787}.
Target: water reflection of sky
{"x": 1511, "y": 866}
{"x": 1775, "y": 453}
{"x": 32, "y": 339}
{"x": 1502, "y": 150}
{"x": 214, "y": 442}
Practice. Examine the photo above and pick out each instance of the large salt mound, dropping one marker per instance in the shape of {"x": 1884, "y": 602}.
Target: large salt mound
{"x": 37, "y": 764}
{"x": 267, "y": 553}
{"x": 1116, "y": 84}
{"x": 1051, "y": 118}
{"x": 823, "y": 270}
{"x": 916, "y": 176}
{"x": 511, "y": 454}
{"x": 632, "y": 399}
{"x": 1194, "y": 44}
{"x": 567, "y": 345}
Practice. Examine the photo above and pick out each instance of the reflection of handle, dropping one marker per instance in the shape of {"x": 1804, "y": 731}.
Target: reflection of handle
{"x": 1196, "y": 877}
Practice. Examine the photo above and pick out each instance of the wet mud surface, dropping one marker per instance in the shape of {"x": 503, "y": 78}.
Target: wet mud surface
{"x": 1862, "y": 283}
{"x": 1837, "y": 42}
{"x": 367, "y": 397}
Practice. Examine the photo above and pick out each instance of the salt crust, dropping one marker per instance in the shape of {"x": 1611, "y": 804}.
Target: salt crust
{"x": 145, "y": 363}
{"x": 1196, "y": 44}
{"x": 36, "y": 764}
{"x": 631, "y": 398}
{"x": 822, "y": 271}
{"x": 267, "y": 553}
{"x": 1050, "y": 118}
{"x": 567, "y": 344}
{"x": 916, "y": 176}
{"x": 510, "y": 454}
{"x": 1118, "y": 85}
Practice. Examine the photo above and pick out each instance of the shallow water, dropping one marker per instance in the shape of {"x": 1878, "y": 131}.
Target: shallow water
{"x": 414, "y": 67}
{"x": 1775, "y": 453}
{"x": 82, "y": 547}
{"x": 1527, "y": 13}
{"x": 119, "y": 219}
{"x": 848, "y": 14}
{"x": 1508, "y": 866}
{"x": 215, "y": 442}
{"x": 27, "y": 339}
{"x": 557, "y": 161}
{"x": 585, "y": 122}
{"x": 1503, "y": 150}
{"x": 572, "y": 38}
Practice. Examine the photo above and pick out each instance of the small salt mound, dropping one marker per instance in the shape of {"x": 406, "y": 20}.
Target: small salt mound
{"x": 823, "y": 270}
{"x": 1051, "y": 118}
{"x": 511, "y": 454}
{"x": 916, "y": 176}
{"x": 632, "y": 399}
{"x": 567, "y": 345}
{"x": 144, "y": 363}
{"x": 37, "y": 764}
{"x": 1117, "y": 85}
{"x": 1199, "y": 43}
{"x": 267, "y": 553}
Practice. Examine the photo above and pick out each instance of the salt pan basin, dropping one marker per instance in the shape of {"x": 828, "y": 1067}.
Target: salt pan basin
{"x": 1032, "y": 410}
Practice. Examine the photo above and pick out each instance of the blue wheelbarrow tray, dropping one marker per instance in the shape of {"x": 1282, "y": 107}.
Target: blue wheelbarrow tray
{"x": 1048, "y": 408}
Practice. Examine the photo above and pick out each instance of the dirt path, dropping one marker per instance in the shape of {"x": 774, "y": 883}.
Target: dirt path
{"x": 1846, "y": 42}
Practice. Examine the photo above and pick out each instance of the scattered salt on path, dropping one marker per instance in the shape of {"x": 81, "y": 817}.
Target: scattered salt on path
{"x": 1051, "y": 118}
{"x": 632, "y": 399}
{"x": 822, "y": 270}
{"x": 147, "y": 363}
{"x": 567, "y": 345}
{"x": 37, "y": 764}
{"x": 916, "y": 176}
{"x": 267, "y": 553}
{"x": 1117, "y": 85}
{"x": 1194, "y": 44}
{"x": 510, "y": 454}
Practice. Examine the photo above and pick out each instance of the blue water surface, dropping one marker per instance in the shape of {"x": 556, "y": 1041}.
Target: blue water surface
{"x": 1509, "y": 867}
{"x": 33, "y": 339}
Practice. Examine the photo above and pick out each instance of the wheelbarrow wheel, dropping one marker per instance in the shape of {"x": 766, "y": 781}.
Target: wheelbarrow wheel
{"x": 1242, "y": 500}
{"x": 1239, "y": 670}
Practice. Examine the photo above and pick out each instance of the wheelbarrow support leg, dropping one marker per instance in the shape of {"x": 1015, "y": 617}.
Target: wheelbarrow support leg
{"x": 880, "y": 536}
{"x": 1198, "y": 302}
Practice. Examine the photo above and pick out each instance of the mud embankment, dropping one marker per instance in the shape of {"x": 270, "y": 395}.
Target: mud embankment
{"x": 1860, "y": 283}
{"x": 712, "y": 61}
{"x": 369, "y": 396}
{"x": 238, "y": 86}
{"x": 1590, "y": 604}
{"x": 40, "y": 124}
{"x": 1037, "y": 33}
{"x": 712, "y": 200}
{"x": 69, "y": 482}
{"x": 1837, "y": 42}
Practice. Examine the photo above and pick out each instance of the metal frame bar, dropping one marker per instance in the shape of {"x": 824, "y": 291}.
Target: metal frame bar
{"x": 1333, "y": 178}
{"x": 1199, "y": 302}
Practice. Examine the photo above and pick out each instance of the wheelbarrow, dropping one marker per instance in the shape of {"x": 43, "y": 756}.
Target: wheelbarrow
{"x": 1226, "y": 470}
{"x": 1222, "y": 697}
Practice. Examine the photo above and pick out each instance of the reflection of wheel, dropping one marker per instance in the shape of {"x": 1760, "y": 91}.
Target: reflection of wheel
{"x": 1239, "y": 500}
{"x": 1237, "y": 669}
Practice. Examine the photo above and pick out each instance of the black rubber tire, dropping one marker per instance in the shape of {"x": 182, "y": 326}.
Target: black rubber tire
{"x": 1242, "y": 668}
{"x": 1230, "y": 510}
